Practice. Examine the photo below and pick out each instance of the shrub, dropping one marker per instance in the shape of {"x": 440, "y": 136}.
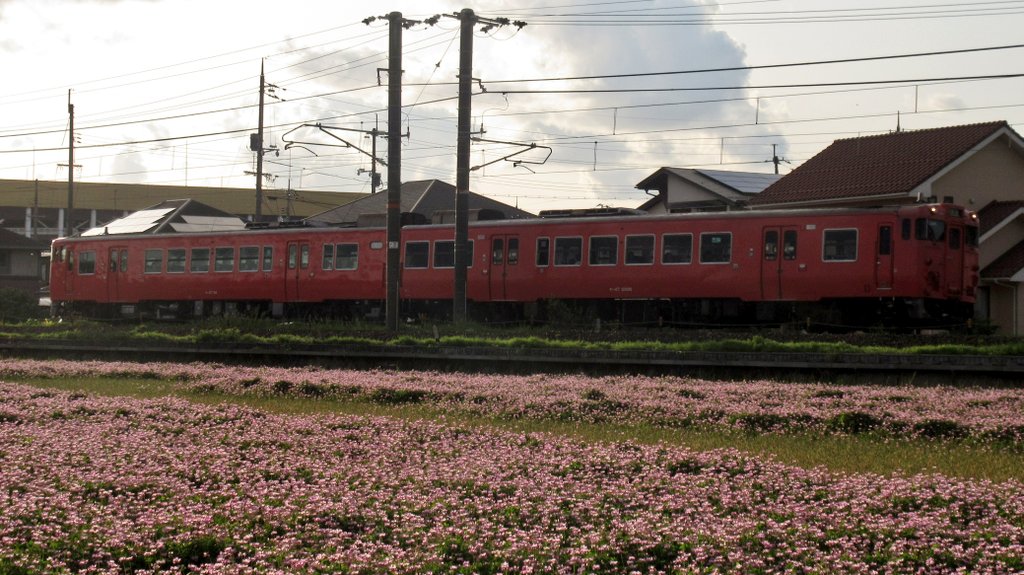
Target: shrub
{"x": 17, "y": 306}
{"x": 854, "y": 422}
{"x": 939, "y": 429}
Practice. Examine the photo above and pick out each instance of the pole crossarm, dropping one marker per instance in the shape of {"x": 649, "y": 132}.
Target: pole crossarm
{"x": 508, "y": 157}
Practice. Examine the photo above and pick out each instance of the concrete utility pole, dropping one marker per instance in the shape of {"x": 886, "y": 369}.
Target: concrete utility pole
{"x": 459, "y": 306}
{"x": 69, "y": 223}
{"x": 468, "y": 19}
{"x": 259, "y": 151}
{"x": 394, "y": 211}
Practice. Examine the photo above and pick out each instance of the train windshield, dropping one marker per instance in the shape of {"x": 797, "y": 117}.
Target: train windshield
{"x": 932, "y": 230}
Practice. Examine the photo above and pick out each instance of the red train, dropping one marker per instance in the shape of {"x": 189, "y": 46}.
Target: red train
{"x": 897, "y": 265}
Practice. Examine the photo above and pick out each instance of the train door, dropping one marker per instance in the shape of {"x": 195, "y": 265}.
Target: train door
{"x": 117, "y": 272}
{"x": 504, "y": 258}
{"x": 779, "y": 263}
{"x": 883, "y": 258}
{"x": 955, "y": 260}
{"x": 297, "y": 269}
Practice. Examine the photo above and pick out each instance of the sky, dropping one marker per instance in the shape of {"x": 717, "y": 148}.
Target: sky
{"x": 572, "y": 110}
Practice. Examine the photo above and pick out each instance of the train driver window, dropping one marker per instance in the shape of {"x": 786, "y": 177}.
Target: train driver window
{"x": 715, "y": 248}
{"x": 771, "y": 245}
{"x": 639, "y": 250}
{"x": 200, "y": 262}
{"x": 543, "y": 251}
{"x": 86, "y": 263}
{"x": 789, "y": 245}
{"x": 677, "y": 248}
{"x": 568, "y": 251}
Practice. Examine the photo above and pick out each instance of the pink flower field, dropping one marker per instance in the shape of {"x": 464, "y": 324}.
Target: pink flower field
{"x": 118, "y": 485}
{"x": 985, "y": 415}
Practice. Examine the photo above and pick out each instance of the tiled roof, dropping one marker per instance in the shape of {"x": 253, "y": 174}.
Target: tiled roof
{"x": 888, "y": 164}
{"x": 995, "y": 212}
{"x": 1007, "y": 265}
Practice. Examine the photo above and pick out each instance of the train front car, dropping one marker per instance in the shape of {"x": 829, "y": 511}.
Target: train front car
{"x": 942, "y": 263}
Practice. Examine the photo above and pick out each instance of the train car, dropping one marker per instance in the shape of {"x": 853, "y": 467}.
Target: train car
{"x": 912, "y": 264}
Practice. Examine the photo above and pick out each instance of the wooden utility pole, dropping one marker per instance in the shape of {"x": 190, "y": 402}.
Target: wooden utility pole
{"x": 259, "y": 151}
{"x": 394, "y": 210}
{"x": 459, "y": 305}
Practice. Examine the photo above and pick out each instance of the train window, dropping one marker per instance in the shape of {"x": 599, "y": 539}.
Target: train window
{"x": 268, "y": 258}
{"x": 124, "y": 260}
{"x": 304, "y": 256}
{"x": 176, "y": 261}
{"x": 932, "y": 230}
{"x": 87, "y": 263}
{"x": 224, "y": 260}
{"x": 604, "y": 250}
{"x": 885, "y": 241}
{"x": 154, "y": 261}
{"x": 444, "y": 254}
{"x": 113, "y": 260}
{"x": 639, "y": 250}
{"x": 954, "y": 238}
{"x": 789, "y": 245}
{"x": 972, "y": 236}
{"x": 328, "y": 260}
{"x": 498, "y": 251}
{"x": 677, "y": 248}
{"x": 513, "y": 251}
{"x": 347, "y": 257}
{"x": 200, "y": 262}
{"x": 568, "y": 251}
{"x": 771, "y": 245}
{"x": 249, "y": 259}
{"x": 716, "y": 248}
{"x": 905, "y": 228}
{"x": 293, "y": 256}
{"x": 839, "y": 246}
{"x": 417, "y": 254}
{"x": 543, "y": 251}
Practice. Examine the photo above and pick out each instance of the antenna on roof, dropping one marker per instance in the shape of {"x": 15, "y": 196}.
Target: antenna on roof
{"x": 898, "y": 130}
{"x": 776, "y": 160}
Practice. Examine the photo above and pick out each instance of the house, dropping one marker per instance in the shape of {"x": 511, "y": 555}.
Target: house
{"x": 22, "y": 263}
{"x": 698, "y": 190}
{"x": 980, "y": 166}
{"x": 425, "y": 201}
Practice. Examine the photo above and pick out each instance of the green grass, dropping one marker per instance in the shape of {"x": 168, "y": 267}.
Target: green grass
{"x": 853, "y": 454}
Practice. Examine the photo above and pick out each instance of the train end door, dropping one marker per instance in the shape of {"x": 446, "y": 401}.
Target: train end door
{"x": 779, "y": 279}
{"x": 117, "y": 272}
{"x": 297, "y": 269}
{"x": 504, "y": 258}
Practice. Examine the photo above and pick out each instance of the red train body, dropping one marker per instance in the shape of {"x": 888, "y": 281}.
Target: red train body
{"x": 899, "y": 264}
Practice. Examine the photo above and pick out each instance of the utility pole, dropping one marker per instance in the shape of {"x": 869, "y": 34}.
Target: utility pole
{"x": 394, "y": 210}
{"x": 468, "y": 20}
{"x": 259, "y": 152}
{"x": 70, "y": 226}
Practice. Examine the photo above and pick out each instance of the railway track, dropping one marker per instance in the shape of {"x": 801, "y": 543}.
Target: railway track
{"x": 535, "y": 359}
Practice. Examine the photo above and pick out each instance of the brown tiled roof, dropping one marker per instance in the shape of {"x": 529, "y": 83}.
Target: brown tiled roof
{"x": 995, "y": 212}
{"x": 881, "y": 165}
{"x": 1007, "y": 265}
